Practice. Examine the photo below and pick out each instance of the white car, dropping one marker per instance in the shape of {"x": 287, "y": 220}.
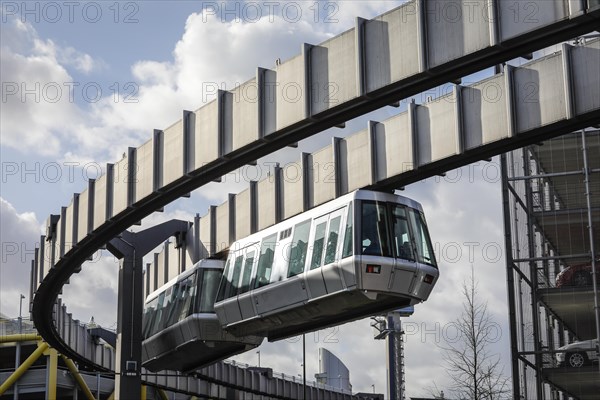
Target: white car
{"x": 578, "y": 354}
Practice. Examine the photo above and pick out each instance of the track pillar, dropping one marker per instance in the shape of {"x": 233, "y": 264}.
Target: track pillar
{"x": 130, "y": 248}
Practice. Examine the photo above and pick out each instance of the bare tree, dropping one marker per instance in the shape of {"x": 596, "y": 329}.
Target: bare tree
{"x": 475, "y": 372}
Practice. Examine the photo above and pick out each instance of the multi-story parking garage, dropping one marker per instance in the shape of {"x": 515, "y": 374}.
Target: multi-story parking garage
{"x": 552, "y": 222}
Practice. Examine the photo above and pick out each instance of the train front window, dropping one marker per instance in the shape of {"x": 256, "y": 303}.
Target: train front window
{"x": 401, "y": 234}
{"x": 422, "y": 241}
{"x": 265, "y": 261}
{"x": 299, "y": 248}
{"x": 375, "y": 238}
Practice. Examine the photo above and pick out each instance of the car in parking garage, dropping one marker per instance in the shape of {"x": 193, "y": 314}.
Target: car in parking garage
{"x": 578, "y": 354}
{"x": 578, "y": 275}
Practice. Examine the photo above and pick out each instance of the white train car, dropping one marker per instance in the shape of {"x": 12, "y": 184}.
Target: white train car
{"x": 358, "y": 255}
{"x": 181, "y": 331}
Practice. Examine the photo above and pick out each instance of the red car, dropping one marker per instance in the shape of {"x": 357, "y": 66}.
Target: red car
{"x": 578, "y": 275}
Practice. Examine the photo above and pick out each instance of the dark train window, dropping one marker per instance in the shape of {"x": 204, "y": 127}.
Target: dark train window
{"x": 374, "y": 234}
{"x": 299, "y": 248}
{"x": 247, "y": 274}
{"x": 149, "y": 316}
{"x": 265, "y": 261}
{"x": 401, "y": 234}
{"x": 422, "y": 240}
{"x": 237, "y": 270}
{"x": 348, "y": 237}
{"x": 225, "y": 283}
{"x": 285, "y": 234}
{"x": 315, "y": 261}
{"x": 208, "y": 290}
{"x": 332, "y": 240}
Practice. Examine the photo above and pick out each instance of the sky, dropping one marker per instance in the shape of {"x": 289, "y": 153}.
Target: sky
{"x": 81, "y": 82}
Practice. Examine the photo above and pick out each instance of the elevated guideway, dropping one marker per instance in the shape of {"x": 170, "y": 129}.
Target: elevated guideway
{"x": 378, "y": 63}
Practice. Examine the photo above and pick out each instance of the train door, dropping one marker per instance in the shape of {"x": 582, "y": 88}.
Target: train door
{"x": 288, "y": 287}
{"x": 313, "y": 275}
{"x": 405, "y": 268}
{"x": 244, "y": 298}
{"x": 332, "y": 274}
{"x": 230, "y": 309}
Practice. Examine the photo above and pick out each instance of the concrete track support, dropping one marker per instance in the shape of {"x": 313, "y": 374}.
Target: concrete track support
{"x": 130, "y": 248}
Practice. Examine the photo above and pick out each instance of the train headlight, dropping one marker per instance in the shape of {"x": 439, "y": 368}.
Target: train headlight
{"x": 428, "y": 279}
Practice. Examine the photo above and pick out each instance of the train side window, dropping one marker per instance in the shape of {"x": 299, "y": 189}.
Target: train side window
{"x": 401, "y": 234}
{"x": 332, "y": 240}
{"x": 315, "y": 261}
{"x": 299, "y": 249}
{"x": 348, "y": 237}
{"x": 157, "y": 315}
{"x": 225, "y": 283}
{"x": 187, "y": 298}
{"x": 248, "y": 264}
{"x": 265, "y": 261}
{"x": 375, "y": 241}
{"x": 422, "y": 240}
{"x": 237, "y": 270}
{"x": 175, "y": 304}
{"x": 167, "y": 306}
{"x": 208, "y": 290}
{"x": 149, "y": 317}
{"x": 181, "y": 300}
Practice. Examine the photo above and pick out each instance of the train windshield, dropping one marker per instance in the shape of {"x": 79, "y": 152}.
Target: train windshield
{"x": 392, "y": 230}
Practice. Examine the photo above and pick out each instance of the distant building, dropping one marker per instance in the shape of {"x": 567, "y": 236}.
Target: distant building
{"x": 332, "y": 371}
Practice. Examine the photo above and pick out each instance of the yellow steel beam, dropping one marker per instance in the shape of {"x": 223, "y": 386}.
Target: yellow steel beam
{"x": 112, "y": 396}
{"x": 162, "y": 394}
{"x": 42, "y": 347}
{"x": 144, "y": 392}
{"x": 78, "y": 378}
{"x": 52, "y": 370}
{"x": 25, "y": 337}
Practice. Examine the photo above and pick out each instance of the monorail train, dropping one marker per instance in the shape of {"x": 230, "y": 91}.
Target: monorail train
{"x": 181, "y": 331}
{"x": 358, "y": 255}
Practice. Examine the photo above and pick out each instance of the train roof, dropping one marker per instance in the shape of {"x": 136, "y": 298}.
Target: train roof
{"x": 324, "y": 209}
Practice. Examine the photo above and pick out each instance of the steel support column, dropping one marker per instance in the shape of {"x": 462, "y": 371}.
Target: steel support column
{"x": 533, "y": 275}
{"x": 51, "y": 373}
{"x": 512, "y": 314}
{"x": 79, "y": 379}
{"x": 130, "y": 248}
{"x": 395, "y": 357}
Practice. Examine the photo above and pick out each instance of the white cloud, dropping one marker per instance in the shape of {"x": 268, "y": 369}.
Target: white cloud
{"x": 38, "y": 108}
{"x": 19, "y": 235}
{"x": 93, "y": 292}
